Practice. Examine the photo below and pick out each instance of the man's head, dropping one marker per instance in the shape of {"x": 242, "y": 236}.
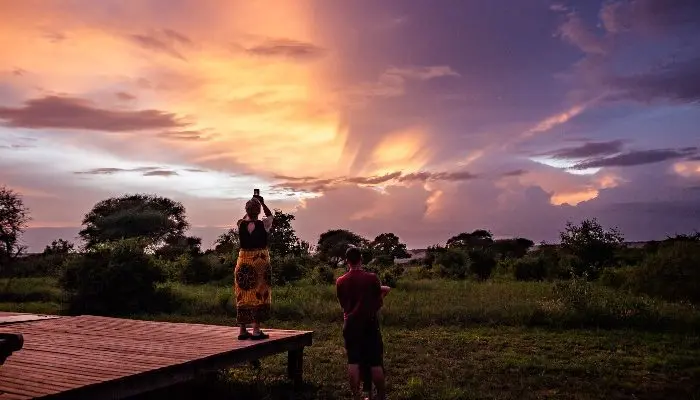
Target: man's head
{"x": 252, "y": 208}
{"x": 353, "y": 256}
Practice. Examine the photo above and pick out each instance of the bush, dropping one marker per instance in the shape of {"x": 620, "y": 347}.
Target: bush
{"x": 452, "y": 263}
{"x": 116, "y": 279}
{"x": 672, "y": 273}
{"x": 617, "y": 278}
{"x": 323, "y": 274}
{"x": 481, "y": 263}
{"x": 288, "y": 269}
{"x": 390, "y": 276}
{"x": 530, "y": 268}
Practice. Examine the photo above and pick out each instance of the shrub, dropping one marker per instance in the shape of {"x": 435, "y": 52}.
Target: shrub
{"x": 672, "y": 273}
{"x": 287, "y": 269}
{"x": 481, "y": 263}
{"x": 452, "y": 263}
{"x": 114, "y": 279}
{"x": 202, "y": 269}
{"x": 323, "y": 274}
{"x": 617, "y": 278}
{"x": 530, "y": 268}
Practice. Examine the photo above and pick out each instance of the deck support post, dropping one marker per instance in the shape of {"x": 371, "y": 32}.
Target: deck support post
{"x": 295, "y": 365}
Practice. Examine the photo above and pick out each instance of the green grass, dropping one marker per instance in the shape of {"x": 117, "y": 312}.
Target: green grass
{"x": 454, "y": 340}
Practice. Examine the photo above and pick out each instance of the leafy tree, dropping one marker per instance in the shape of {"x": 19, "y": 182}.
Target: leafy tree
{"x": 14, "y": 217}
{"x": 156, "y": 219}
{"x": 176, "y": 246}
{"x": 283, "y": 238}
{"x": 228, "y": 242}
{"x": 593, "y": 245}
{"x": 59, "y": 247}
{"x": 479, "y": 238}
{"x": 333, "y": 244}
{"x": 512, "y": 248}
{"x": 389, "y": 245}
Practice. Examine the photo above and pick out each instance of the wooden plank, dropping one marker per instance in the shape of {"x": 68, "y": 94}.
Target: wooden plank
{"x": 96, "y": 357}
{"x": 15, "y": 319}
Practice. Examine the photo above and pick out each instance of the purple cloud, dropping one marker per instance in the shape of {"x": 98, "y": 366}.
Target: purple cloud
{"x": 634, "y": 158}
{"x": 73, "y": 113}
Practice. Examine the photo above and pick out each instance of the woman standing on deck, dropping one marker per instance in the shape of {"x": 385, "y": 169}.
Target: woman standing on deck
{"x": 253, "y": 273}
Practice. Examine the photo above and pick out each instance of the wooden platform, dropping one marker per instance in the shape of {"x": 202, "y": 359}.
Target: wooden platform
{"x": 98, "y": 357}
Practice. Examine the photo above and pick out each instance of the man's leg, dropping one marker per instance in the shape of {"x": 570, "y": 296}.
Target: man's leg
{"x": 354, "y": 379}
{"x": 379, "y": 382}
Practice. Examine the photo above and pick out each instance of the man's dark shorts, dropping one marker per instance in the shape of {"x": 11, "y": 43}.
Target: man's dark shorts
{"x": 363, "y": 344}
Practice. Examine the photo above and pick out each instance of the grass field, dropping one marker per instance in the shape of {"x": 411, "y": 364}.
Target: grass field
{"x": 455, "y": 340}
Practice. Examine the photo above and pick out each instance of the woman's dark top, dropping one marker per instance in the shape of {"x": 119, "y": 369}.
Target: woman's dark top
{"x": 252, "y": 240}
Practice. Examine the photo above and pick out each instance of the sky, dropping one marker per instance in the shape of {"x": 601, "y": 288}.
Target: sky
{"x": 420, "y": 117}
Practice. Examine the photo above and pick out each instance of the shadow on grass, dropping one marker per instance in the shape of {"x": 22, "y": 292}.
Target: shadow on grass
{"x": 237, "y": 383}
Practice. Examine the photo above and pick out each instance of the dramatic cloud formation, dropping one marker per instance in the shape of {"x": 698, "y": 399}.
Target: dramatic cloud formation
{"x": 590, "y": 149}
{"x": 71, "y": 113}
{"x": 633, "y": 158}
{"x": 371, "y": 116}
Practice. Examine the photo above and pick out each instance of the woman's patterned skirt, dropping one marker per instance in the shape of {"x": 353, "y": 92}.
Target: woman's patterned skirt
{"x": 252, "y": 286}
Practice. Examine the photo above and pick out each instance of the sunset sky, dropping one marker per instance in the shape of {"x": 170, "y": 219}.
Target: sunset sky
{"x": 424, "y": 118}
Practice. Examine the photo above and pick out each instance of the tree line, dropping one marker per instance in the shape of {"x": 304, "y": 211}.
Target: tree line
{"x": 133, "y": 242}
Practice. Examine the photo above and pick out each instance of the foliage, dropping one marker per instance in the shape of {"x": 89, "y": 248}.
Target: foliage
{"x": 176, "y": 246}
{"x": 332, "y": 245}
{"x": 323, "y": 274}
{"x": 203, "y": 268}
{"x": 288, "y": 269}
{"x": 481, "y": 263}
{"x": 452, "y": 263}
{"x": 114, "y": 279}
{"x": 511, "y": 248}
{"x": 283, "y": 240}
{"x": 479, "y": 238}
{"x": 672, "y": 273}
{"x": 382, "y": 261}
{"x": 530, "y": 268}
{"x": 228, "y": 242}
{"x": 14, "y": 217}
{"x": 157, "y": 220}
{"x": 388, "y": 245}
{"x": 594, "y": 246}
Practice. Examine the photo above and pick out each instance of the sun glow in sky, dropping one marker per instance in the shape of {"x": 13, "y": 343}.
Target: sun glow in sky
{"x": 371, "y": 116}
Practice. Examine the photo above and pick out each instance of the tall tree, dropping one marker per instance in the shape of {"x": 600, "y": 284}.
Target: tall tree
{"x": 389, "y": 245}
{"x": 283, "y": 237}
{"x": 14, "y": 217}
{"x": 154, "y": 219}
{"x": 479, "y": 238}
{"x": 332, "y": 244}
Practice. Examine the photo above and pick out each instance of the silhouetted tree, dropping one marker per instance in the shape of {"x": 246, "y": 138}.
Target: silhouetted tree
{"x": 479, "y": 238}
{"x": 14, "y": 217}
{"x": 591, "y": 244}
{"x": 228, "y": 242}
{"x": 283, "y": 237}
{"x": 389, "y": 245}
{"x": 333, "y": 244}
{"x": 157, "y": 220}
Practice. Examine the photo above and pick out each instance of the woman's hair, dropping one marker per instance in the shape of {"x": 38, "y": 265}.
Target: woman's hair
{"x": 252, "y": 208}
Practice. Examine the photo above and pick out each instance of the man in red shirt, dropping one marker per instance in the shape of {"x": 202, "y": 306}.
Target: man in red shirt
{"x": 361, "y": 296}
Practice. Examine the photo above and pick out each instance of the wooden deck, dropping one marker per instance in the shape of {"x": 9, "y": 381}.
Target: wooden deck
{"x": 99, "y": 357}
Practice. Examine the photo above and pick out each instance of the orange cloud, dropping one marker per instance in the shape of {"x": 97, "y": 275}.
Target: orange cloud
{"x": 687, "y": 169}
{"x": 574, "y": 198}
